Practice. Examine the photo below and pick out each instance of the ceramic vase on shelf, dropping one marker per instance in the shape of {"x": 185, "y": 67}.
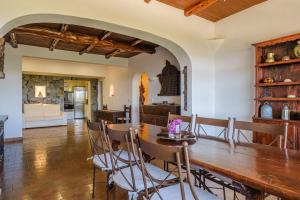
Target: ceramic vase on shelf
{"x": 285, "y": 115}
{"x": 270, "y": 57}
{"x": 266, "y": 111}
{"x": 297, "y": 49}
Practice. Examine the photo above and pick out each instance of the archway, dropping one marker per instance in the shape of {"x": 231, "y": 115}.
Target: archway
{"x": 175, "y": 49}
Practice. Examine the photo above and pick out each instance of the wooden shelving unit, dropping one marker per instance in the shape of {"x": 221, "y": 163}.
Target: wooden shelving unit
{"x": 276, "y": 93}
{"x": 293, "y": 83}
{"x": 277, "y": 99}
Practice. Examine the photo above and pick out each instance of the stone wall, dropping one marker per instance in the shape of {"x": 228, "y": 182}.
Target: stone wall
{"x": 54, "y": 90}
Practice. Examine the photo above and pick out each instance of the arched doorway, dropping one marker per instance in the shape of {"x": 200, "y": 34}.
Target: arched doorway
{"x": 15, "y": 114}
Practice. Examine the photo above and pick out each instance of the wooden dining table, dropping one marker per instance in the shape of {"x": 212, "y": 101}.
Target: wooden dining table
{"x": 259, "y": 169}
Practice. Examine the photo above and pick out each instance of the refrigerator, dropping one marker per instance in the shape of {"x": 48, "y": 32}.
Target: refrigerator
{"x": 79, "y": 102}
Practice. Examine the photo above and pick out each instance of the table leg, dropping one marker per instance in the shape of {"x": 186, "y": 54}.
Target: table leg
{"x": 250, "y": 193}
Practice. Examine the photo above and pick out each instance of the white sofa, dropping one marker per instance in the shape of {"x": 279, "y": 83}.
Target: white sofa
{"x": 43, "y": 115}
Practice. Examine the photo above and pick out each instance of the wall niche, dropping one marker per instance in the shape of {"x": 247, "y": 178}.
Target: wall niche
{"x": 169, "y": 80}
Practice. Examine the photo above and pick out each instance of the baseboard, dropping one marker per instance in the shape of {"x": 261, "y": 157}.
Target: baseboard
{"x": 17, "y": 139}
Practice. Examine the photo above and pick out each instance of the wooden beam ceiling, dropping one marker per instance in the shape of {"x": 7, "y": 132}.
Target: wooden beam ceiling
{"x": 91, "y": 46}
{"x": 82, "y": 39}
{"x": 213, "y": 10}
{"x": 2, "y": 46}
{"x": 201, "y": 5}
{"x": 63, "y": 29}
{"x": 117, "y": 51}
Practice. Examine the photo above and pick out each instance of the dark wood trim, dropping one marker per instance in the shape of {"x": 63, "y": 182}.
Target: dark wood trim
{"x": 2, "y": 48}
{"x": 10, "y": 140}
{"x": 13, "y": 40}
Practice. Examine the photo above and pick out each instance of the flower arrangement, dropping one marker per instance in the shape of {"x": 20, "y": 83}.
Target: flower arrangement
{"x": 173, "y": 124}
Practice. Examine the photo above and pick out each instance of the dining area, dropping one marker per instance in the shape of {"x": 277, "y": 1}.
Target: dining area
{"x": 178, "y": 160}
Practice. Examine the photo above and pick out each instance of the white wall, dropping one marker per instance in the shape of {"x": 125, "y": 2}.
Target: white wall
{"x": 11, "y": 94}
{"x": 152, "y": 65}
{"x": 121, "y": 81}
{"x": 235, "y": 59}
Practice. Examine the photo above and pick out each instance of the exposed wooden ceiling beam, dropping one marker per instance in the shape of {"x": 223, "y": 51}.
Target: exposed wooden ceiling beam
{"x": 63, "y": 29}
{"x": 13, "y": 40}
{"x": 147, "y": 1}
{"x": 2, "y": 45}
{"x": 202, "y": 5}
{"x": 136, "y": 42}
{"x": 106, "y": 35}
{"x": 117, "y": 51}
{"x": 113, "y": 53}
{"x": 90, "y": 47}
{"x": 80, "y": 39}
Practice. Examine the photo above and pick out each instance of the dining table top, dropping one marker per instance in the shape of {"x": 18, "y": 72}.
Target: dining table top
{"x": 264, "y": 168}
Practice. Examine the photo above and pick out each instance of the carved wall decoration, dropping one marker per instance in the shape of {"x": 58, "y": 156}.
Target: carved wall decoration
{"x": 185, "y": 106}
{"x": 169, "y": 80}
{"x": 2, "y": 46}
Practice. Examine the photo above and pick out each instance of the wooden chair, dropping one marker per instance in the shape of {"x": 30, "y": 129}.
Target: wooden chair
{"x": 201, "y": 131}
{"x": 188, "y": 120}
{"x": 277, "y": 131}
{"x": 165, "y": 189}
{"x": 127, "y": 112}
{"x": 104, "y": 107}
{"x": 130, "y": 178}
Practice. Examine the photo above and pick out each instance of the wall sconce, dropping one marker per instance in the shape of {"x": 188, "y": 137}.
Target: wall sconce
{"x": 40, "y": 91}
{"x": 111, "y": 90}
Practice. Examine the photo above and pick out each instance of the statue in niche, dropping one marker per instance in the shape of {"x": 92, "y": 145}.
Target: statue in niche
{"x": 169, "y": 80}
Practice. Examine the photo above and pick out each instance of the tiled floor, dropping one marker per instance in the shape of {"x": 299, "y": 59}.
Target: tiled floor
{"x": 51, "y": 164}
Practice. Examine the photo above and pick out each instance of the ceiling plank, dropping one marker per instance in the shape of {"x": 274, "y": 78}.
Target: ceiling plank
{"x": 13, "y": 40}
{"x": 63, "y": 29}
{"x": 200, "y": 6}
{"x": 90, "y": 47}
{"x": 2, "y": 46}
{"x": 80, "y": 39}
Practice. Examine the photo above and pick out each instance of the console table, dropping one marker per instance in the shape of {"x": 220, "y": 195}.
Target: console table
{"x": 158, "y": 114}
{"x": 109, "y": 115}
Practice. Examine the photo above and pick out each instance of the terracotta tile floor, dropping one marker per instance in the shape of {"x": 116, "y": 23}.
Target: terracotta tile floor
{"x": 51, "y": 164}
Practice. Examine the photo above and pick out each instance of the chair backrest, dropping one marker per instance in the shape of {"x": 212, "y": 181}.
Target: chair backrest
{"x": 98, "y": 141}
{"x": 127, "y": 109}
{"x": 278, "y": 131}
{"x": 176, "y": 154}
{"x": 126, "y": 148}
{"x": 188, "y": 121}
{"x": 104, "y": 107}
{"x": 201, "y": 131}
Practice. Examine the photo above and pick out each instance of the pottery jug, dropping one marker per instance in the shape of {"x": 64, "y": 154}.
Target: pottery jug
{"x": 297, "y": 50}
{"x": 285, "y": 112}
{"x": 270, "y": 57}
{"x": 266, "y": 111}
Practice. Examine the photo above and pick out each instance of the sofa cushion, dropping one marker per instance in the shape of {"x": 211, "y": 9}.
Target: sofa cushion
{"x": 33, "y": 110}
{"x": 33, "y": 118}
{"x": 57, "y": 117}
{"x": 51, "y": 110}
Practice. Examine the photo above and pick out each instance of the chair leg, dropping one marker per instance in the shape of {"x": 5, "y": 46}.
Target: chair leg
{"x": 224, "y": 193}
{"x": 108, "y": 187}
{"x": 94, "y": 174}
